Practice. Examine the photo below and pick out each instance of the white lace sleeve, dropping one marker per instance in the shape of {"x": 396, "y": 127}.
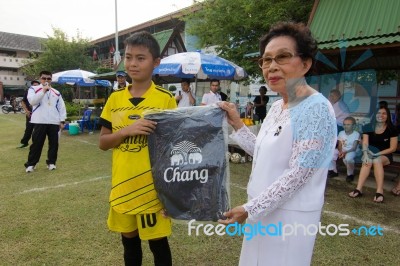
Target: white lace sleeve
{"x": 313, "y": 141}
{"x": 245, "y": 139}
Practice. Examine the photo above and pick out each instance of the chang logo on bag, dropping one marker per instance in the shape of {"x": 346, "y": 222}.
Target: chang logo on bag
{"x": 185, "y": 153}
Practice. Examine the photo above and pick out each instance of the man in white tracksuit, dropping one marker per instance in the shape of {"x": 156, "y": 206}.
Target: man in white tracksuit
{"x": 48, "y": 117}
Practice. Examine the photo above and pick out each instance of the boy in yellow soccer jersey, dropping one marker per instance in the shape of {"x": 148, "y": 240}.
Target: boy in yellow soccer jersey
{"x": 134, "y": 206}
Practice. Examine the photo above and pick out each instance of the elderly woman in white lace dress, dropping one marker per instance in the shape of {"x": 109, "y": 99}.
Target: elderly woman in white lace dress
{"x": 291, "y": 154}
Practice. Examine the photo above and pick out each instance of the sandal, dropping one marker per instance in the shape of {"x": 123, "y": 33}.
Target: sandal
{"x": 356, "y": 194}
{"x": 396, "y": 191}
{"x": 377, "y": 196}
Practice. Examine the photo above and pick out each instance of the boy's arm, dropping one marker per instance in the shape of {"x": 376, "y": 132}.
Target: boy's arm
{"x": 342, "y": 153}
{"x": 354, "y": 147}
{"x": 340, "y": 142}
{"x": 109, "y": 140}
{"x": 340, "y": 145}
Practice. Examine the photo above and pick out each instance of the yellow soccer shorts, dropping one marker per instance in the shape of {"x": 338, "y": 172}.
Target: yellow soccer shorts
{"x": 149, "y": 225}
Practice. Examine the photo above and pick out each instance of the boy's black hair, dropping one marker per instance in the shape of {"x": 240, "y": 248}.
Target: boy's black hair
{"x": 187, "y": 81}
{"x": 144, "y": 38}
{"x": 350, "y": 118}
{"x": 45, "y": 72}
{"x": 215, "y": 80}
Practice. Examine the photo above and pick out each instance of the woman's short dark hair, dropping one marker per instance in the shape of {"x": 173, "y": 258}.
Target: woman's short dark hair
{"x": 301, "y": 34}
{"x": 144, "y": 38}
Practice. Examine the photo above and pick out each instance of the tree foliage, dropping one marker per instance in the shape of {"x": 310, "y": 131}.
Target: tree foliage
{"x": 62, "y": 53}
{"x": 235, "y": 27}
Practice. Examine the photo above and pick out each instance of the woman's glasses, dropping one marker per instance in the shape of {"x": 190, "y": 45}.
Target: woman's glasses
{"x": 44, "y": 78}
{"x": 280, "y": 59}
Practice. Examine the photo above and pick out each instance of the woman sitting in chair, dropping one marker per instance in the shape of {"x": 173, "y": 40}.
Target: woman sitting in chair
{"x": 379, "y": 141}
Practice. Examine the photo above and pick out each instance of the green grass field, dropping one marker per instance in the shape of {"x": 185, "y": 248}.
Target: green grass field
{"x": 59, "y": 217}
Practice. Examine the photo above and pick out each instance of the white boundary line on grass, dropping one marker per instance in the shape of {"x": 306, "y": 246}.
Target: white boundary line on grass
{"x": 336, "y": 214}
{"x": 343, "y": 216}
{"x": 40, "y": 189}
{"x": 86, "y": 142}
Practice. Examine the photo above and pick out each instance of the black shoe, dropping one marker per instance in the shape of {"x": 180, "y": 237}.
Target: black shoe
{"x": 350, "y": 178}
{"x": 22, "y": 146}
{"x": 332, "y": 173}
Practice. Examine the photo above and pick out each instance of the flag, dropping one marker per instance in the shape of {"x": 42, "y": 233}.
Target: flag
{"x": 94, "y": 55}
{"x": 112, "y": 49}
{"x": 116, "y": 58}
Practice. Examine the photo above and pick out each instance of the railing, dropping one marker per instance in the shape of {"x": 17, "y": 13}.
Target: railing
{"x": 107, "y": 63}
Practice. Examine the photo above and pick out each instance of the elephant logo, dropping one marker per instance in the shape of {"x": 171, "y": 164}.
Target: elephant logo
{"x": 184, "y": 153}
{"x": 177, "y": 159}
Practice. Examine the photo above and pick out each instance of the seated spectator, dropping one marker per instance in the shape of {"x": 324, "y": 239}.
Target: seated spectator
{"x": 378, "y": 144}
{"x": 348, "y": 145}
{"x": 339, "y": 106}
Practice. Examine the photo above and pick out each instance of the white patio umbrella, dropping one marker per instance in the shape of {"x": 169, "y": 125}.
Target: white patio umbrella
{"x": 78, "y": 77}
{"x": 74, "y": 77}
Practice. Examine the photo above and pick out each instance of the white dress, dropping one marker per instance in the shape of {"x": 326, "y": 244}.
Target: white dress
{"x": 291, "y": 155}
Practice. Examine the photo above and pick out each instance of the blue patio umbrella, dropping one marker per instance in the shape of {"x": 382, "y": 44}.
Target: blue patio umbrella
{"x": 103, "y": 83}
{"x": 199, "y": 66}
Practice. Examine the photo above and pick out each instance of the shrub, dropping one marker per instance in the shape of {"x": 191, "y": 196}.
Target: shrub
{"x": 72, "y": 109}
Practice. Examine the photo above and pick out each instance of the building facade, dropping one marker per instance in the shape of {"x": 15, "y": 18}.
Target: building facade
{"x": 359, "y": 52}
{"x": 168, "y": 29}
{"x": 15, "y": 51}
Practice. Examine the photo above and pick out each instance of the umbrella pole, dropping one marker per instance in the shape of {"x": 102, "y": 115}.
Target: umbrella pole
{"x": 79, "y": 98}
{"x": 195, "y": 86}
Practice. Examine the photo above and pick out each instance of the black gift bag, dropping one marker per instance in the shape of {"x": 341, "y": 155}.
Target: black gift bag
{"x": 189, "y": 165}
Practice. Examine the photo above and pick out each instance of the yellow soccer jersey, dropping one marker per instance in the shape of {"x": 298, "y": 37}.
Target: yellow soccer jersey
{"x": 132, "y": 189}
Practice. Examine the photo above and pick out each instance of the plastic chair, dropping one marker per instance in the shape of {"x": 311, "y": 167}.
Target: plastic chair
{"x": 85, "y": 121}
{"x": 95, "y": 123}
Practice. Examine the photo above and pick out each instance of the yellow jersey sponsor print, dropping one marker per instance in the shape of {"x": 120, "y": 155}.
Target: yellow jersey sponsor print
{"x": 132, "y": 189}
